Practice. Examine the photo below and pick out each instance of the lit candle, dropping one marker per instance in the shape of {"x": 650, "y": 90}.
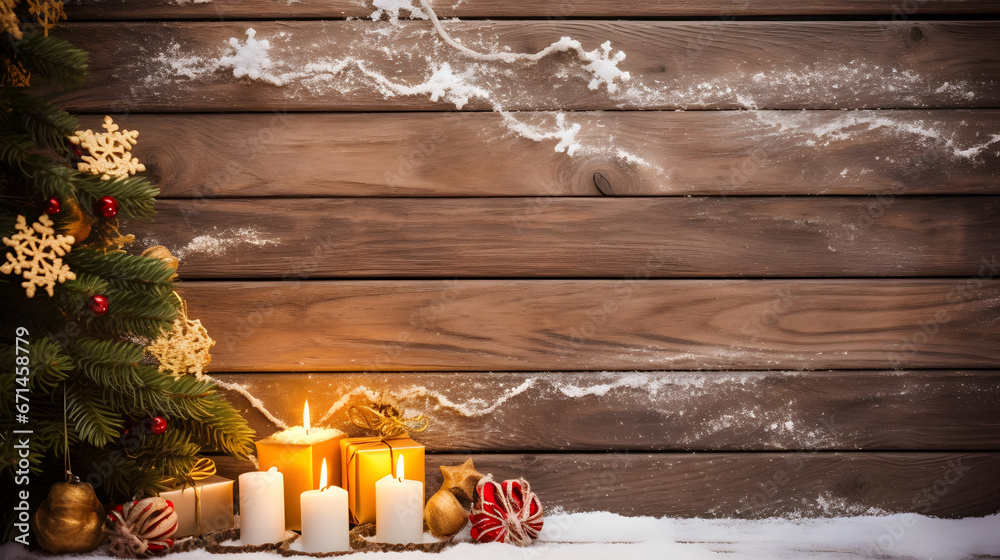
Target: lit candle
{"x": 262, "y": 507}
{"x": 399, "y": 509}
{"x": 324, "y": 518}
{"x": 298, "y": 453}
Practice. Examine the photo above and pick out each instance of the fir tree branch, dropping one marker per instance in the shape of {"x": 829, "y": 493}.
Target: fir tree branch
{"x": 135, "y": 195}
{"x": 93, "y": 420}
{"x": 146, "y": 314}
{"x": 46, "y": 125}
{"x": 119, "y": 266}
{"x": 49, "y": 58}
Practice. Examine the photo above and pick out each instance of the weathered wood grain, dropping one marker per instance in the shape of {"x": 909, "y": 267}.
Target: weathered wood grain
{"x": 578, "y": 237}
{"x": 349, "y": 65}
{"x": 254, "y": 9}
{"x": 656, "y": 153}
{"x": 626, "y": 324}
{"x": 652, "y": 411}
{"x": 743, "y": 485}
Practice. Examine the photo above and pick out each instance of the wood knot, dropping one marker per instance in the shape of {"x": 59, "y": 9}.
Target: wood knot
{"x": 916, "y": 33}
{"x": 616, "y": 177}
{"x": 602, "y": 184}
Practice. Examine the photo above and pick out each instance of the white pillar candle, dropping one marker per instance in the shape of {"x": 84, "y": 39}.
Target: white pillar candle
{"x": 399, "y": 509}
{"x": 324, "y": 518}
{"x": 262, "y": 507}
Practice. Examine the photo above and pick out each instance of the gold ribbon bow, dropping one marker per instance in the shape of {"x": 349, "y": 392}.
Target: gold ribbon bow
{"x": 386, "y": 420}
{"x": 202, "y": 469}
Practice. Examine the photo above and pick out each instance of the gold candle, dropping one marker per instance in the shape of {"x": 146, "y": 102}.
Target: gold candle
{"x": 298, "y": 453}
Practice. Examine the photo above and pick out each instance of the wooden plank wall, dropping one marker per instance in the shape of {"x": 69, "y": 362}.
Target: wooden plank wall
{"x": 764, "y": 284}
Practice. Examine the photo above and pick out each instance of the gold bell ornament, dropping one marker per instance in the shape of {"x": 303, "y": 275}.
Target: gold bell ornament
{"x": 71, "y": 519}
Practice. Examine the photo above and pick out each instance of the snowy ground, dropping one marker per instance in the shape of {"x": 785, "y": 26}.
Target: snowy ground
{"x": 602, "y": 535}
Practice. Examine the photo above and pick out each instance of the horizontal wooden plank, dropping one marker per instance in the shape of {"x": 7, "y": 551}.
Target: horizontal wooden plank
{"x": 577, "y": 237}
{"x": 254, "y": 9}
{"x": 364, "y": 66}
{"x": 570, "y": 325}
{"x": 743, "y": 485}
{"x": 634, "y": 153}
{"x": 651, "y": 411}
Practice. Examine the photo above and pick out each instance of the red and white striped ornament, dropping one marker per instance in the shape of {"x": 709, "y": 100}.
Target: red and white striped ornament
{"x": 141, "y": 526}
{"x": 507, "y": 512}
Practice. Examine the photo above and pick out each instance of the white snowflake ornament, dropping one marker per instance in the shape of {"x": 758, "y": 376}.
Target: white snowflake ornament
{"x": 36, "y": 255}
{"x": 604, "y": 68}
{"x": 250, "y": 59}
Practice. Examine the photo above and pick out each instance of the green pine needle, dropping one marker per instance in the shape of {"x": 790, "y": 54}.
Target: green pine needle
{"x": 49, "y": 58}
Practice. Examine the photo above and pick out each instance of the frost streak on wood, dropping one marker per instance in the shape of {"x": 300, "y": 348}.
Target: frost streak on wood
{"x": 721, "y": 411}
{"x": 359, "y": 66}
{"x": 886, "y": 153}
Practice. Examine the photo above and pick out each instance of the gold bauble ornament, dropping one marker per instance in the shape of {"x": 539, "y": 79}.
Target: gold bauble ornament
{"x": 71, "y": 519}
{"x": 444, "y": 513}
{"x": 78, "y": 223}
{"x": 162, "y": 253}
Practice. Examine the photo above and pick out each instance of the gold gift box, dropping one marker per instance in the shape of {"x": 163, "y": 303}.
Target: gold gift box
{"x": 204, "y": 508}
{"x": 300, "y": 464}
{"x": 367, "y": 460}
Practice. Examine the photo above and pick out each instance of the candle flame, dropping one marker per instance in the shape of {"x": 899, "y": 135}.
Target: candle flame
{"x": 399, "y": 469}
{"x": 305, "y": 417}
{"x": 322, "y": 476}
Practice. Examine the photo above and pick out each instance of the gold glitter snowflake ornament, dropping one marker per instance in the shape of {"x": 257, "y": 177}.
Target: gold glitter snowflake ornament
{"x": 109, "y": 151}
{"x": 185, "y": 348}
{"x": 36, "y": 255}
{"x": 8, "y": 19}
{"x": 48, "y": 12}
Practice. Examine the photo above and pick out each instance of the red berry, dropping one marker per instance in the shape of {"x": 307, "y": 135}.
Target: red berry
{"x": 98, "y": 304}
{"x": 52, "y": 206}
{"x": 74, "y": 148}
{"x": 157, "y": 425}
{"x": 107, "y": 206}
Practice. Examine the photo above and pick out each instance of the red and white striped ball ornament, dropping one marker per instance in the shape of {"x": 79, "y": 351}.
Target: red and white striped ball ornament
{"x": 141, "y": 526}
{"x": 507, "y": 512}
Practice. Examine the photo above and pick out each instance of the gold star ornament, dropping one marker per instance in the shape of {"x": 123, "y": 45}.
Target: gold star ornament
{"x": 461, "y": 480}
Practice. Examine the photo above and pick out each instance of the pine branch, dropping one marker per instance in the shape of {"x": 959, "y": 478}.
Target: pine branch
{"x": 47, "y": 126}
{"x": 49, "y": 58}
{"x": 223, "y": 430}
{"x": 50, "y": 365}
{"x": 115, "y": 475}
{"x": 119, "y": 266}
{"x": 94, "y": 421}
{"x": 171, "y": 453}
{"x": 136, "y": 309}
{"x": 15, "y": 150}
{"x": 72, "y": 295}
{"x": 145, "y": 313}
{"x": 135, "y": 195}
